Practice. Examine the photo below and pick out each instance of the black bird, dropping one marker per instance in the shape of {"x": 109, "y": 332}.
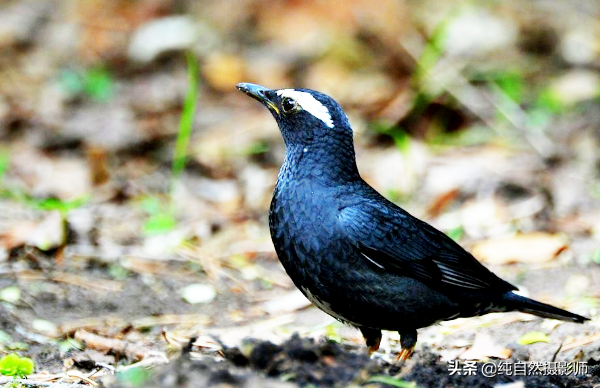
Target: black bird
{"x": 356, "y": 255}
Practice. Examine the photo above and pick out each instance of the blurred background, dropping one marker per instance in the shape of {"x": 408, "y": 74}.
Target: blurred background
{"x": 135, "y": 180}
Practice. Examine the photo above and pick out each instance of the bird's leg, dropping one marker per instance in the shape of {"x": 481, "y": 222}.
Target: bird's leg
{"x": 372, "y": 338}
{"x": 408, "y": 340}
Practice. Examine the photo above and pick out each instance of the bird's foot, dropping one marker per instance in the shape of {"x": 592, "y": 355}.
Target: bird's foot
{"x": 408, "y": 340}
{"x": 372, "y": 349}
{"x": 404, "y": 355}
{"x": 372, "y": 338}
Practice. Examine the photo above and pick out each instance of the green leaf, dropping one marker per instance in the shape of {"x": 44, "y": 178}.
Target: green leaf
{"x": 511, "y": 83}
{"x": 57, "y": 204}
{"x": 13, "y": 365}
{"x": 256, "y": 148}
{"x": 394, "y": 382}
{"x": 399, "y": 135}
{"x": 71, "y": 82}
{"x": 186, "y": 121}
{"x": 98, "y": 84}
{"x": 4, "y": 163}
{"x": 533, "y": 337}
{"x": 596, "y": 256}
{"x": 290, "y": 377}
{"x": 433, "y": 50}
{"x": 332, "y": 333}
{"x": 550, "y": 101}
{"x": 69, "y": 344}
{"x": 402, "y": 140}
{"x": 134, "y": 377}
{"x": 161, "y": 218}
{"x": 118, "y": 272}
{"x": 456, "y": 233}
{"x": 151, "y": 205}
{"x": 159, "y": 223}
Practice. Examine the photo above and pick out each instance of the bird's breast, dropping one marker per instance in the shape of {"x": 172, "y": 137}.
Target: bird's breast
{"x": 304, "y": 213}
{"x": 304, "y": 230}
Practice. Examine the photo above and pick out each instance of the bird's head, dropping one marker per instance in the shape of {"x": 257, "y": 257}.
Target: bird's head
{"x": 304, "y": 116}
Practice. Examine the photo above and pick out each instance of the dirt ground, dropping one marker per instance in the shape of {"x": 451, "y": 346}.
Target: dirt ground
{"x": 236, "y": 343}
{"x": 118, "y": 270}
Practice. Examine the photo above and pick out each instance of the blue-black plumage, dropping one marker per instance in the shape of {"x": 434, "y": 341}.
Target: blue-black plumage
{"x": 353, "y": 253}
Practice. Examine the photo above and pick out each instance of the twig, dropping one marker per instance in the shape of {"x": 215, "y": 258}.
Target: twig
{"x": 111, "y": 321}
{"x": 104, "y": 344}
{"x": 170, "y": 319}
{"x": 557, "y": 351}
{"x": 581, "y": 342}
{"x": 154, "y": 359}
{"x": 489, "y": 320}
{"x": 75, "y": 280}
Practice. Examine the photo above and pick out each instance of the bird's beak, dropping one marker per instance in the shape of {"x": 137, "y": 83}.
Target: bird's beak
{"x": 258, "y": 93}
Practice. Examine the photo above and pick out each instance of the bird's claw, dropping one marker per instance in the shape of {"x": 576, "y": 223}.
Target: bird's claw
{"x": 404, "y": 355}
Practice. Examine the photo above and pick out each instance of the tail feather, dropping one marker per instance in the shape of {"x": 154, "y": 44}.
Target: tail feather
{"x": 540, "y": 309}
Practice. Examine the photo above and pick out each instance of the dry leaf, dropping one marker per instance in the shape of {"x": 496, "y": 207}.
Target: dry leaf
{"x": 50, "y": 233}
{"x": 523, "y": 248}
{"x": 223, "y": 71}
{"x": 483, "y": 347}
{"x": 17, "y": 235}
{"x": 158, "y": 36}
{"x": 47, "y": 234}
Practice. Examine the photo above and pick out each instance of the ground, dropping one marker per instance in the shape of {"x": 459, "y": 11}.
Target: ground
{"x": 135, "y": 184}
{"x": 146, "y": 312}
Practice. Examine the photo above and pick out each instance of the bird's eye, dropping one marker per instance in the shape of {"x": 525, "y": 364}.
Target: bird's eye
{"x": 288, "y": 105}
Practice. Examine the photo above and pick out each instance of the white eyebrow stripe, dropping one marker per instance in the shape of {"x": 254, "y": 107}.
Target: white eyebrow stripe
{"x": 309, "y": 104}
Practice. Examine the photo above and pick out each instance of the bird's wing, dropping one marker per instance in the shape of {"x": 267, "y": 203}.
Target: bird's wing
{"x": 396, "y": 241}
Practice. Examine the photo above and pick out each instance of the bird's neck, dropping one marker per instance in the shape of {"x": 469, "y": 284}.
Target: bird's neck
{"x": 320, "y": 163}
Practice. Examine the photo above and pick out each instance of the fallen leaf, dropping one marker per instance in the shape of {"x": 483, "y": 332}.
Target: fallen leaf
{"x": 523, "y": 248}
{"x": 483, "y": 347}
{"x": 576, "y": 86}
{"x": 17, "y": 235}
{"x": 441, "y": 202}
{"x": 476, "y": 32}
{"x": 533, "y": 337}
{"x": 48, "y": 234}
{"x": 581, "y": 342}
{"x": 207, "y": 343}
{"x": 45, "y": 235}
{"x": 223, "y": 71}
{"x": 44, "y": 176}
{"x": 577, "y": 285}
{"x": 156, "y": 37}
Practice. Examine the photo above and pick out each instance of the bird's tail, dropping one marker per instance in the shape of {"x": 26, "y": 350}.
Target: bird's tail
{"x": 530, "y": 306}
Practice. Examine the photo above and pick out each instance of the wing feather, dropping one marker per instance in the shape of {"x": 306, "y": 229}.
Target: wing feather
{"x": 397, "y": 242}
